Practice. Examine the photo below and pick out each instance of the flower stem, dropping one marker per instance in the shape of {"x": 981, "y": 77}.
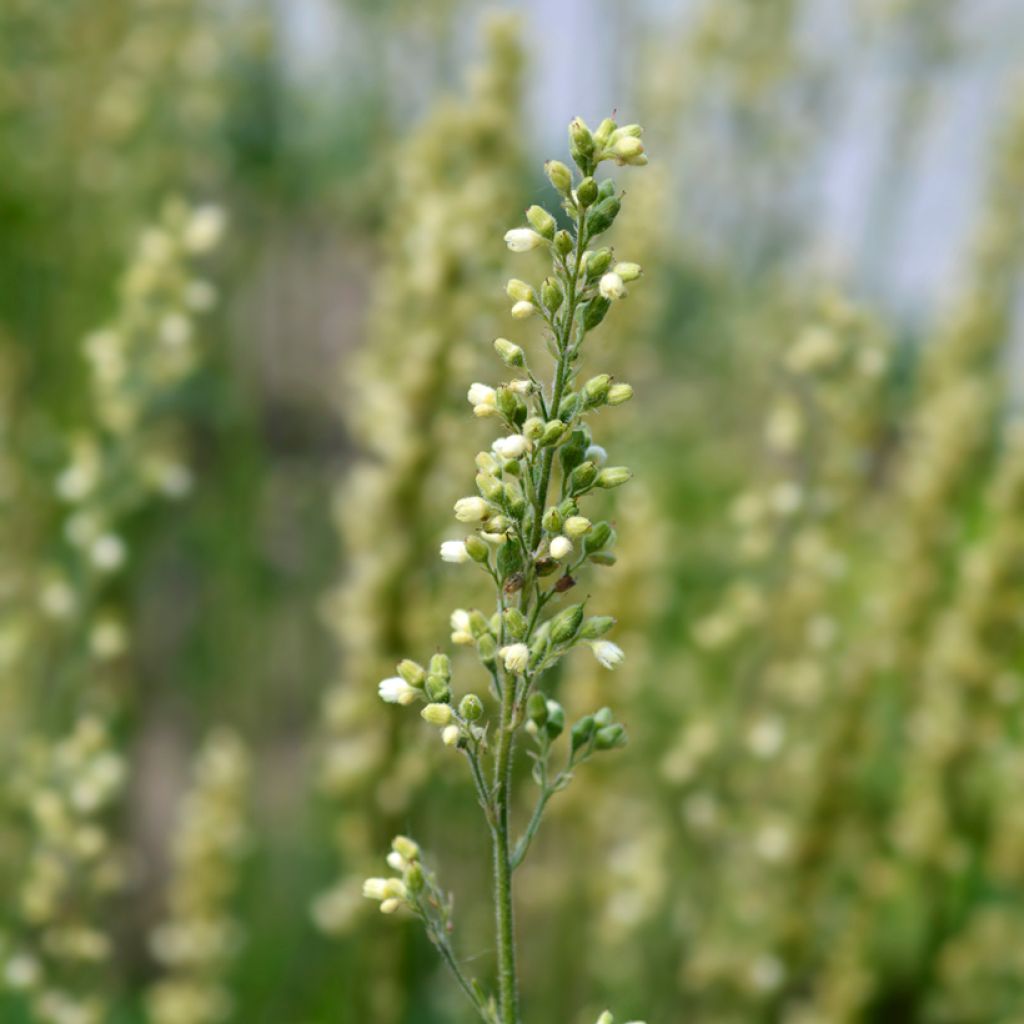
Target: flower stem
{"x": 508, "y": 994}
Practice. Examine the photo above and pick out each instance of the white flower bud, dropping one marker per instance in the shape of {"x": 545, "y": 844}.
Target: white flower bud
{"x": 107, "y": 552}
{"x": 576, "y": 526}
{"x": 560, "y": 547}
{"x": 607, "y": 653}
{"x": 516, "y": 657}
{"x": 596, "y": 454}
{"x": 450, "y": 735}
{"x": 454, "y": 551}
{"x": 375, "y": 888}
{"x": 512, "y": 447}
{"x": 520, "y": 387}
{"x": 395, "y": 690}
{"x": 472, "y": 510}
{"x": 390, "y": 906}
{"x": 522, "y": 310}
{"x": 396, "y": 861}
{"x": 483, "y": 400}
{"x": 522, "y": 239}
{"x": 611, "y": 286}
{"x": 461, "y": 632}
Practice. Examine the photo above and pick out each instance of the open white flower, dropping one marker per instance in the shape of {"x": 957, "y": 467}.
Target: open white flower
{"x": 612, "y": 286}
{"x": 522, "y": 239}
{"x": 395, "y": 690}
{"x": 516, "y": 657}
{"x": 512, "y": 447}
{"x": 560, "y": 547}
{"x": 610, "y": 655}
{"x": 454, "y": 551}
{"x": 483, "y": 399}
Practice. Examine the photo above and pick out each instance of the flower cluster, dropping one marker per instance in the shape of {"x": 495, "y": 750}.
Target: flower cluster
{"x": 530, "y": 535}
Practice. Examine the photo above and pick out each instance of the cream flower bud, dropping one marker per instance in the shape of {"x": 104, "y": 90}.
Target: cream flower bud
{"x": 512, "y": 447}
{"x": 395, "y": 690}
{"x": 510, "y": 353}
{"x": 454, "y": 551}
{"x": 405, "y": 846}
{"x": 628, "y": 271}
{"x": 376, "y": 888}
{"x": 389, "y": 906}
{"x": 472, "y": 510}
{"x": 519, "y": 291}
{"x": 522, "y": 239}
{"x": 396, "y": 861}
{"x": 481, "y": 394}
{"x": 576, "y": 526}
{"x": 522, "y": 310}
{"x": 560, "y": 547}
{"x": 611, "y": 286}
{"x": 437, "y": 714}
{"x": 450, "y": 735}
{"x": 606, "y": 1018}
{"x": 516, "y": 657}
{"x": 520, "y": 387}
{"x": 607, "y": 653}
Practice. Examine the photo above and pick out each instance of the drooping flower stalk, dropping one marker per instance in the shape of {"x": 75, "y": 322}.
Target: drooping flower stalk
{"x": 531, "y": 538}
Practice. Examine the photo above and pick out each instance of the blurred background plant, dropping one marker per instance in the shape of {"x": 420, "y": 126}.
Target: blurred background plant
{"x": 234, "y": 241}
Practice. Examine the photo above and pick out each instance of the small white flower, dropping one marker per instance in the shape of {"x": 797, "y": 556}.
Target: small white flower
{"x": 472, "y": 510}
{"x": 596, "y": 454}
{"x": 611, "y": 286}
{"x": 454, "y": 551}
{"x": 396, "y": 861}
{"x": 512, "y": 447}
{"x": 522, "y": 239}
{"x": 204, "y": 228}
{"x": 107, "y": 552}
{"x": 521, "y": 310}
{"x": 450, "y": 735}
{"x": 461, "y": 632}
{"x": 481, "y": 394}
{"x": 516, "y": 657}
{"x": 560, "y": 547}
{"x": 395, "y": 690}
{"x": 609, "y": 654}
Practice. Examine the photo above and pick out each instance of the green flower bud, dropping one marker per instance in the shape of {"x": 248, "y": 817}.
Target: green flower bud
{"x": 507, "y": 401}
{"x": 551, "y": 294}
{"x": 603, "y": 717}
{"x": 568, "y": 406}
{"x": 541, "y": 221}
{"x": 414, "y": 878}
{"x": 602, "y": 216}
{"x": 437, "y": 714}
{"x": 556, "y": 719}
{"x": 477, "y": 548}
{"x": 619, "y": 393}
{"x": 552, "y": 522}
{"x": 498, "y": 524}
{"x": 607, "y": 188}
{"x": 596, "y": 626}
{"x": 595, "y": 311}
{"x": 586, "y": 192}
{"x": 487, "y": 463}
{"x": 628, "y": 271}
{"x": 581, "y": 732}
{"x": 563, "y": 243}
{"x": 477, "y": 622}
{"x": 628, "y": 149}
{"x": 633, "y": 130}
{"x": 441, "y": 665}
{"x": 569, "y": 507}
{"x": 519, "y": 291}
{"x": 603, "y": 558}
{"x": 559, "y": 175}
{"x": 516, "y": 623}
{"x": 598, "y": 263}
{"x": 533, "y": 428}
{"x": 595, "y": 391}
{"x": 609, "y": 737}
{"x": 487, "y": 648}
{"x": 438, "y": 689}
{"x": 598, "y": 537}
{"x": 553, "y": 432}
{"x": 613, "y": 476}
{"x": 581, "y": 144}
{"x": 604, "y": 133}
{"x": 489, "y": 486}
{"x": 537, "y": 708}
{"x": 412, "y": 672}
{"x": 471, "y": 707}
{"x": 566, "y": 624}
{"x": 509, "y": 352}
{"x": 583, "y": 477}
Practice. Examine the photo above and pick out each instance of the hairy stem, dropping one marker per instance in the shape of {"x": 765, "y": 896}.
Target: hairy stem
{"x": 507, "y": 981}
